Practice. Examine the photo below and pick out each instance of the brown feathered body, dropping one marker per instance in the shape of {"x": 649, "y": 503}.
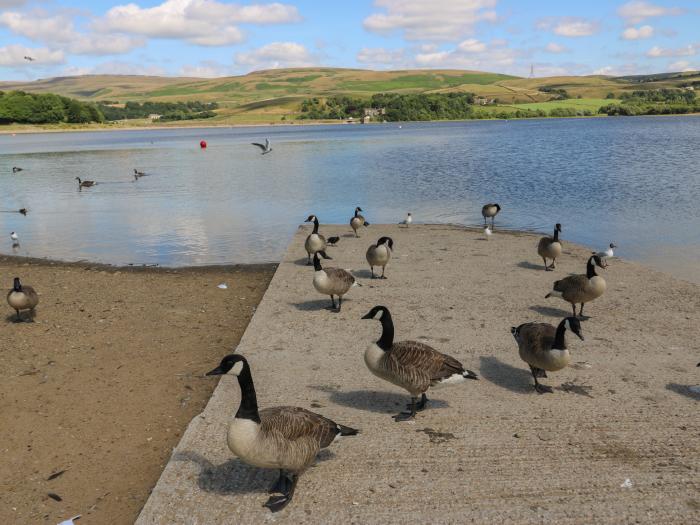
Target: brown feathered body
{"x": 286, "y": 438}
{"x": 26, "y": 299}
{"x": 333, "y": 281}
{"x": 535, "y": 341}
{"x": 490, "y": 210}
{"x": 413, "y": 366}
{"x": 378, "y": 255}
{"x": 579, "y": 288}
{"x": 549, "y": 248}
{"x": 315, "y": 242}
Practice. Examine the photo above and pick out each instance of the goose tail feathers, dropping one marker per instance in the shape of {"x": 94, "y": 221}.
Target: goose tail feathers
{"x": 468, "y": 374}
{"x": 347, "y": 431}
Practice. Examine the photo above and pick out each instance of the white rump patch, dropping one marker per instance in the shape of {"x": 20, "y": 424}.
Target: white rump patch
{"x": 554, "y": 293}
{"x": 451, "y": 380}
{"x": 237, "y": 368}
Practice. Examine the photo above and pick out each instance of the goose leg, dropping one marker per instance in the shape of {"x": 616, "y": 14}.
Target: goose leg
{"x": 332, "y": 303}
{"x": 552, "y": 265}
{"x": 383, "y": 269}
{"x": 277, "y": 503}
{"x": 406, "y": 416}
{"x": 18, "y": 319}
{"x": 574, "y": 307}
{"x": 278, "y": 485}
{"x": 308, "y": 259}
{"x": 541, "y": 389}
{"x": 340, "y": 301}
{"x": 581, "y": 311}
{"x": 421, "y": 404}
{"x": 546, "y": 268}
{"x": 372, "y": 270}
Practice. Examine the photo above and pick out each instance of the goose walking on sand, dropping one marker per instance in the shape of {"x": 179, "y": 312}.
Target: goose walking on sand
{"x": 285, "y": 438}
{"x": 264, "y": 147}
{"x": 22, "y": 298}
{"x": 411, "y": 365}
{"x": 543, "y": 347}
{"x": 315, "y": 242}
{"x": 332, "y": 281}
{"x": 380, "y": 254}
{"x": 357, "y": 221}
{"x": 490, "y": 211}
{"x": 581, "y": 288}
{"x": 550, "y": 247}
{"x": 85, "y": 183}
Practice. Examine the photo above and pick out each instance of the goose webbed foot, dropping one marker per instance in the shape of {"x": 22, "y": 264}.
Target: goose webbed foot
{"x": 277, "y": 503}
{"x": 287, "y": 486}
{"x": 421, "y": 404}
{"x": 543, "y": 389}
{"x": 407, "y": 416}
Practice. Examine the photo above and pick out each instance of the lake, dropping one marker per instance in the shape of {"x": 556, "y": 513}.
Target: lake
{"x": 634, "y": 181}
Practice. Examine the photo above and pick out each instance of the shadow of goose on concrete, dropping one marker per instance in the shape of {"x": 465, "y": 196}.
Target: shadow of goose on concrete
{"x": 531, "y": 266}
{"x": 550, "y": 311}
{"x": 518, "y": 380}
{"x": 374, "y": 401}
{"x": 684, "y": 390}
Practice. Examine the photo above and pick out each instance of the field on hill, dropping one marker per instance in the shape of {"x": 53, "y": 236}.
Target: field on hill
{"x": 273, "y": 96}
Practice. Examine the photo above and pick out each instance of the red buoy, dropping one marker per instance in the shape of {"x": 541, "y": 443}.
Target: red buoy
{"x": 202, "y": 144}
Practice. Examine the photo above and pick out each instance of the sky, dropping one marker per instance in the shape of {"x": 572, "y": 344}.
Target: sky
{"x": 213, "y": 38}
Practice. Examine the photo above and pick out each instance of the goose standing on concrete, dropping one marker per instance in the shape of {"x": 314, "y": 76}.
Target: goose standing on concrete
{"x": 85, "y": 183}
{"x": 379, "y": 254}
{"x": 550, "y": 247}
{"x": 581, "y": 288}
{"x": 357, "y": 221}
{"x": 22, "y": 298}
{"x": 543, "y": 347}
{"x": 285, "y": 438}
{"x": 490, "y": 211}
{"x": 332, "y": 281}
{"x": 264, "y": 147}
{"x": 407, "y": 221}
{"x": 410, "y": 365}
{"x": 315, "y": 242}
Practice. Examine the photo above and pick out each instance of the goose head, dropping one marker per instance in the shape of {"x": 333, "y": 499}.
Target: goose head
{"x": 17, "y": 285}
{"x": 386, "y": 240}
{"x": 557, "y": 227}
{"x": 311, "y": 218}
{"x": 574, "y": 325}
{"x": 231, "y": 362}
{"x": 376, "y": 313}
{"x": 358, "y": 209}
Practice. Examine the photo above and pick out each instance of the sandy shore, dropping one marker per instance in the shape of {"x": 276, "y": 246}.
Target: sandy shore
{"x": 102, "y": 385}
{"x": 488, "y": 451}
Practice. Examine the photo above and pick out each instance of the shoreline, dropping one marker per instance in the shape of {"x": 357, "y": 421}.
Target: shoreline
{"x": 300, "y": 123}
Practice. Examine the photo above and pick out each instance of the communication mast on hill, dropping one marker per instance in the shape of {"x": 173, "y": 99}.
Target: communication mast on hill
{"x": 532, "y": 70}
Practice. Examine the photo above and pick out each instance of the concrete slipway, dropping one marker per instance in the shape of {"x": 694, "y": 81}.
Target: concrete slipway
{"x": 488, "y": 451}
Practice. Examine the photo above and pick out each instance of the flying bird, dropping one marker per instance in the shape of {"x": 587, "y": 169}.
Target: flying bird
{"x": 264, "y": 147}
{"x": 29, "y": 59}
{"x": 15, "y": 169}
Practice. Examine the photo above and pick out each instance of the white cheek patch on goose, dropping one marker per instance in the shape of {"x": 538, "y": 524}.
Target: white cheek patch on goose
{"x": 237, "y": 368}
{"x": 567, "y": 325}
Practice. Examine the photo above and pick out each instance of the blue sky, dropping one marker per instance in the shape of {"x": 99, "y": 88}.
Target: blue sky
{"x": 220, "y": 37}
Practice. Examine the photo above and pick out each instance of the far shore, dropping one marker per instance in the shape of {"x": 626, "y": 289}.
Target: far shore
{"x": 27, "y": 129}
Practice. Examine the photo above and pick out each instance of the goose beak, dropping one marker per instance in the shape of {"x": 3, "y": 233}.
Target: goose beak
{"x": 216, "y": 372}
{"x": 580, "y": 337}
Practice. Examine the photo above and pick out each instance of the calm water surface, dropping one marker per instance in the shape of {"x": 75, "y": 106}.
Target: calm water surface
{"x": 635, "y": 181}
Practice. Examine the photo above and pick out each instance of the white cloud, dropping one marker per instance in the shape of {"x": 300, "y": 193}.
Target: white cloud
{"x": 623, "y": 70}
{"x": 380, "y": 57}
{"x": 568, "y": 26}
{"x": 637, "y": 11}
{"x": 555, "y": 48}
{"x": 494, "y": 56}
{"x": 434, "y": 21}
{"x": 200, "y": 22}
{"x": 13, "y": 56}
{"x": 680, "y": 65}
{"x": 472, "y": 45}
{"x": 633, "y": 33}
{"x": 658, "y": 52}
{"x": 276, "y": 55}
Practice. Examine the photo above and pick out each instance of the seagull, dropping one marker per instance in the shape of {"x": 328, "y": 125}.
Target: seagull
{"x": 15, "y": 169}
{"x": 487, "y": 232}
{"x": 609, "y": 252}
{"x": 332, "y": 241}
{"x": 30, "y": 59}
{"x": 23, "y": 211}
{"x": 408, "y": 220}
{"x": 264, "y": 147}
{"x": 15, "y": 239}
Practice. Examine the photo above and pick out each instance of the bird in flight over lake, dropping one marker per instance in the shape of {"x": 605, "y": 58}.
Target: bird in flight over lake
{"x": 15, "y": 169}
{"x": 264, "y": 147}
{"x": 30, "y": 59}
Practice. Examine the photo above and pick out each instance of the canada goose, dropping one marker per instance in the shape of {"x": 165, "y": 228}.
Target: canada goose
{"x": 22, "y": 298}
{"x": 264, "y": 147}
{"x": 23, "y": 211}
{"x": 550, "y": 247}
{"x": 332, "y": 281}
{"x": 411, "y": 365}
{"x": 332, "y": 241}
{"x": 487, "y": 232}
{"x": 285, "y": 438}
{"x": 581, "y": 288}
{"x": 15, "y": 169}
{"x": 357, "y": 221}
{"x": 543, "y": 347}
{"x": 315, "y": 242}
{"x": 85, "y": 183}
{"x": 380, "y": 254}
{"x": 407, "y": 221}
{"x": 490, "y": 210}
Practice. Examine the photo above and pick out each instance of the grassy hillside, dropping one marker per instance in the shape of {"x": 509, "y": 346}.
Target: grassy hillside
{"x": 273, "y": 95}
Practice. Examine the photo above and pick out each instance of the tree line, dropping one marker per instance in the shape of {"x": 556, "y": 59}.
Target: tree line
{"x": 654, "y": 102}
{"x": 189, "y": 110}
{"x": 31, "y": 108}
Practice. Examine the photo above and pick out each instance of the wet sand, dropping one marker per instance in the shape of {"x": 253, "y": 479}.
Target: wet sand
{"x": 103, "y": 383}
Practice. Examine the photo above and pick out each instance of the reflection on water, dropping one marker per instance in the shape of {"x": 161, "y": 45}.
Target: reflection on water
{"x": 632, "y": 180}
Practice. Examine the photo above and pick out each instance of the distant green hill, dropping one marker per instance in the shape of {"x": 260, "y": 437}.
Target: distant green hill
{"x": 273, "y": 95}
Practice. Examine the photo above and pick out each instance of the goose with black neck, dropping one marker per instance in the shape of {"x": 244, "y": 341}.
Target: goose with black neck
{"x": 315, "y": 242}
{"x": 581, "y": 288}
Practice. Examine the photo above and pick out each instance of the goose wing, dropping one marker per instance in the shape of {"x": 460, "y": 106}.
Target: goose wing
{"x": 535, "y": 335}
{"x": 574, "y": 284}
{"x": 340, "y": 275}
{"x": 415, "y": 363}
{"x": 267, "y": 144}
{"x": 296, "y": 423}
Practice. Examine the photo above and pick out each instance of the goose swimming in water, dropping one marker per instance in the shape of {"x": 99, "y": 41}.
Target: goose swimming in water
{"x": 332, "y": 281}
{"x": 357, "y": 221}
{"x": 543, "y": 347}
{"x": 490, "y": 210}
{"x": 581, "y": 288}
{"x": 410, "y": 365}
{"x": 264, "y": 147}
{"x": 22, "y": 298}
{"x": 380, "y": 254}
{"x": 285, "y": 438}
{"x": 315, "y": 242}
{"x": 85, "y": 183}
{"x": 550, "y": 247}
